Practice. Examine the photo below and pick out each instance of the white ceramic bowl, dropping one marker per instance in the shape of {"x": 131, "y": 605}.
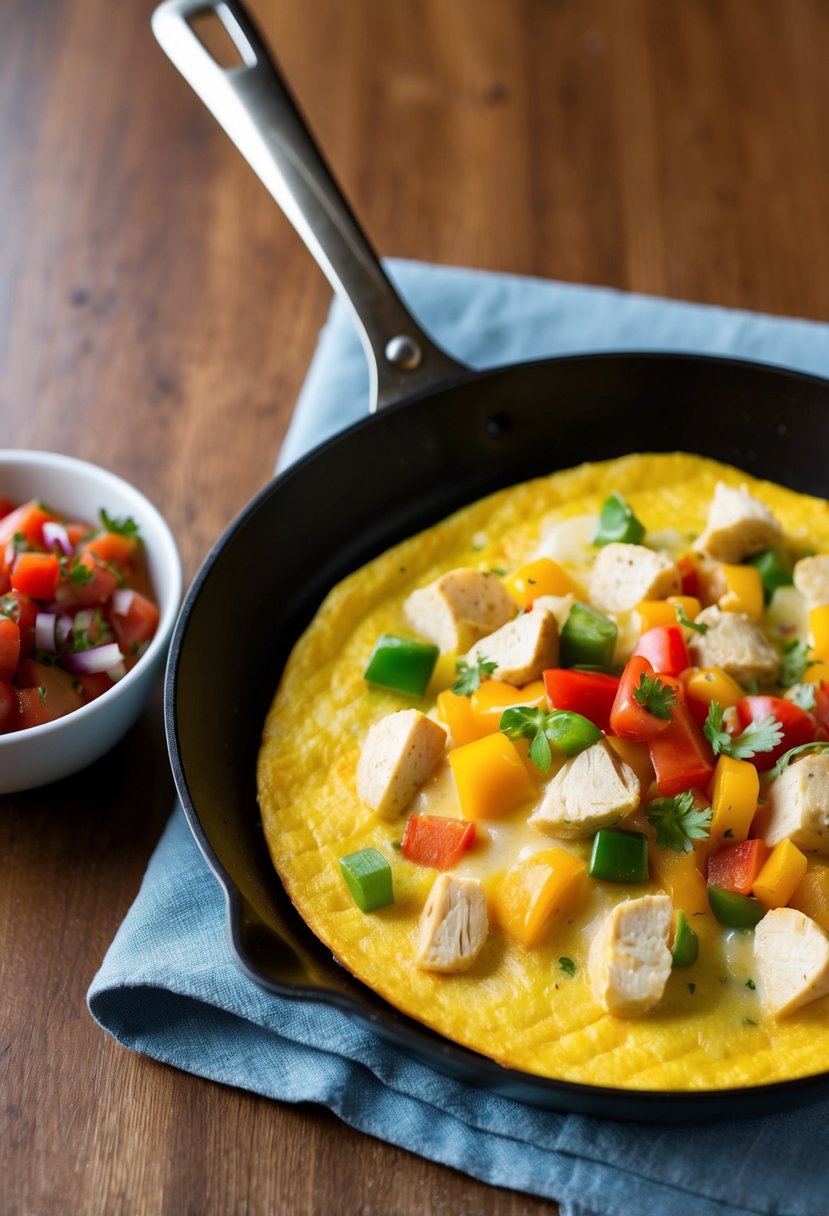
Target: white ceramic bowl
{"x": 75, "y": 488}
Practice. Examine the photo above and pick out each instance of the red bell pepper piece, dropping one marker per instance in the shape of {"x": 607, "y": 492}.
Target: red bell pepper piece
{"x": 689, "y": 573}
{"x": 36, "y": 574}
{"x": 681, "y": 756}
{"x": 628, "y": 718}
{"x": 735, "y": 866}
{"x": 664, "y": 647}
{"x": 589, "y": 693}
{"x": 432, "y": 840}
{"x": 798, "y": 725}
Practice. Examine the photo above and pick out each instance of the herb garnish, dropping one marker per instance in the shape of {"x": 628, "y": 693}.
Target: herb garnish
{"x": 569, "y": 732}
{"x": 796, "y": 658}
{"x": 683, "y": 619}
{"x": 802, "y": 695}
{"x": 678, "y": 824}
{"x": 470, "y": 676}
{"x": 655, "y": 697}
{"x": 567, "y": 966}
{"x": 787, "y": 757}
{"x": 124, "y": 525}
{"x": 761, "y": 736}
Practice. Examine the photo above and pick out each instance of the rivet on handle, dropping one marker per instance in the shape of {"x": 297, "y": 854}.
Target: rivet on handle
{"x": 403, "y": 352}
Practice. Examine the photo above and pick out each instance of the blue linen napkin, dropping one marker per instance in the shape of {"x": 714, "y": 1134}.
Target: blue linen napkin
{"x": 169, "y": 986}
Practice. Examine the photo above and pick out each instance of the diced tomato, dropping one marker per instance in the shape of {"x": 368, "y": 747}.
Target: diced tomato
{"x": 689, "y": 573}
{"x": 664, "y": 647}
{"x": 735, "y": 866}
{"x": 23, "y": 611}
{"x": 77, "y": 533}
{"x": 589, "y": 693}
{"x": 681, "y": 755}
{"x": 820, "y": 712}
{"x": 94, "y": 685}
{"x": 5, "y": 582}
{"x": 27, "y": 520}
{"x": 112, "y": 547}
{"x": 9, "y": 647}
{"x": 54, "y": 688}
{"x": 96, "y": 590}
{"x": 432, "y": 840}
{"x": 31, "y": 705}
{"x": 36, "y": 574}
{"x": 629, "y": 719}
{"x": 137, "y": 625}
{"x": 9, "y": 707}
{"x": 798, "y": 725}
{"x": 6, "y": 506}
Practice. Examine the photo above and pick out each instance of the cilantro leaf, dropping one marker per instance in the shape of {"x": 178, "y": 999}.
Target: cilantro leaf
{"x": 787, "y": 757}
{"x": 802, "y": 695}
{"x": 470, "y": 676}
{"x": 761, "y": 736}
{"x": 677, "y": 822}
{"x": 567, "y": 965}
{"x": 683, "y": 619}
{"x": 796, "y": 658}
{"x": 80, "y": 574}
{"x": 655, "y": 697}
{"x": 124, "y": 525}
{"x": 567, "y": 731}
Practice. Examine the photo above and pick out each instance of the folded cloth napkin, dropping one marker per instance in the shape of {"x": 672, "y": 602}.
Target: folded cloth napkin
{"x": 169, "y": 986}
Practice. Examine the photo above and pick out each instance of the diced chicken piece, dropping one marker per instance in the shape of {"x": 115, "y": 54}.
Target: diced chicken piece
{"x": 738, "y": 525}
{"x": 522, "y": 648}
{"x": 398, "y": 755}
{"x": 735, "y": 644}
{"x": 811, "y": 577}
{"x": 592, "y": 790}
{"x": 629, "y": 961}
{"x": 453, "y": 926}
{"x": 797, "y": 805}
{"x": 622, "y": 575}
{"x": 792, "y": 956}
{"x": 559, "y": 605}
{"x": 459, "y": 608}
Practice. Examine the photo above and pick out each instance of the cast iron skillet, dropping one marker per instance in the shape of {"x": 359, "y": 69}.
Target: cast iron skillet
{"x": 444, "y": 437}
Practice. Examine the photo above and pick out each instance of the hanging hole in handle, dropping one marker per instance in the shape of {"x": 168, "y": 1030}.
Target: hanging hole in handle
{"x": 222, "y": 37}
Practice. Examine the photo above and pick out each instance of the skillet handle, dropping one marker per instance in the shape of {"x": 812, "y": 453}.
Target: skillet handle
{"x": 254, "y": 106}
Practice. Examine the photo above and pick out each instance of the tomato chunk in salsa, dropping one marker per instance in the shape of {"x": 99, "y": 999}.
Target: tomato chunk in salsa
{"x": 76, "y": 610}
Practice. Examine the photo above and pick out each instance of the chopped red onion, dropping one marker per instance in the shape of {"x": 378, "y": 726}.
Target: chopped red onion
{"x": 83, "y": 620}
{"x": 122, "y": 601}
{"x": 55, "y": 534}
{"x": 90, "y": 662}
{"x": 63, "y": 627}
{"x": 117, "y": 673}
{"x": 45, "y": 631}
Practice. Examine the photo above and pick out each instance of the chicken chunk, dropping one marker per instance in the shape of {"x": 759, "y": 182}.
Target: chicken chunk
{"x": 629, "y": 961}
{"x": 736, "y": 645}
{"x": 811, "y": 577}
{"x": 399, "y": 753}
{"x": 622, "y": 575}
{"x": 522, "y": 648}
{"x": 797, "y": 805}
{"x": 559, "y": 605}
{"x": 738, "y": 525}
{"x": 792, "y": 956}
{"x": 592, "y": 790}
{"x": 453, "y": 926}
{"x": 459, "y": 608}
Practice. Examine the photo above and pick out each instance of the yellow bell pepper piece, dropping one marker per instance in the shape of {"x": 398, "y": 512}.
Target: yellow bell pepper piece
{"x": 781, "y": 875}
{"x": 679, "y": 874}
{"x": 811, "y": 895}
{"x": 490, "y": 776}
{"x": 819, "y": 629}
{"x": 663, "y": 612}
{"x": 543, "y": 888}
{"x": 816, "y": 673}
{"x": 734, "y": 793}
{"x": 744, "y": 591}
{"x": 541, "y": 577}
{"x": 636, "y": 755}
{"x": 456, "y": 712}
{"x": 708, "y": 684}
{"x": 493, "y": 697}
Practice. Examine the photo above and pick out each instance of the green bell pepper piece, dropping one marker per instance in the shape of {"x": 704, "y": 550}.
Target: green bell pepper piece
{"x": 367, "y": 875}
{"x": 588, "y": 639}
{"x": 618, "y": 523}
{"x": 775, "y": 567}
{"x": 401, "y": 664}
{"x": 733, "y": 910}
{"x": 619, "y": 856}
{"x": 685, "y": 949}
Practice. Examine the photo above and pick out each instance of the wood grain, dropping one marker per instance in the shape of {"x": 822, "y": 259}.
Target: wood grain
{"x": 157, "y": 316}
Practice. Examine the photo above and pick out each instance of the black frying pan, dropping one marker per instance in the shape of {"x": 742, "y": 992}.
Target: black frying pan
{"x": 443, "y": 437}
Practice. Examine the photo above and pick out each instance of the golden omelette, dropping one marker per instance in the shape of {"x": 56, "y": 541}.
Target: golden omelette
{"x": 534, "y": 1008}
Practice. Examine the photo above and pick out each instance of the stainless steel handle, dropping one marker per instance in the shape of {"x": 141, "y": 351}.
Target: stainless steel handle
{"x": 254, "y": 106}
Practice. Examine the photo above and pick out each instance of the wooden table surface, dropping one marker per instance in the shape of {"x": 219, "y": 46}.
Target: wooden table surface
{"x": 157, "y": 316}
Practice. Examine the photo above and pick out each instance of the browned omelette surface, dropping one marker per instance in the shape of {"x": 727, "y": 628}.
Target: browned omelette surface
{"x": 516, "y": 1005}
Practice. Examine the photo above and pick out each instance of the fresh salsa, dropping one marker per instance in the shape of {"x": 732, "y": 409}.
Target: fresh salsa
{"x": 76, "y": 610}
